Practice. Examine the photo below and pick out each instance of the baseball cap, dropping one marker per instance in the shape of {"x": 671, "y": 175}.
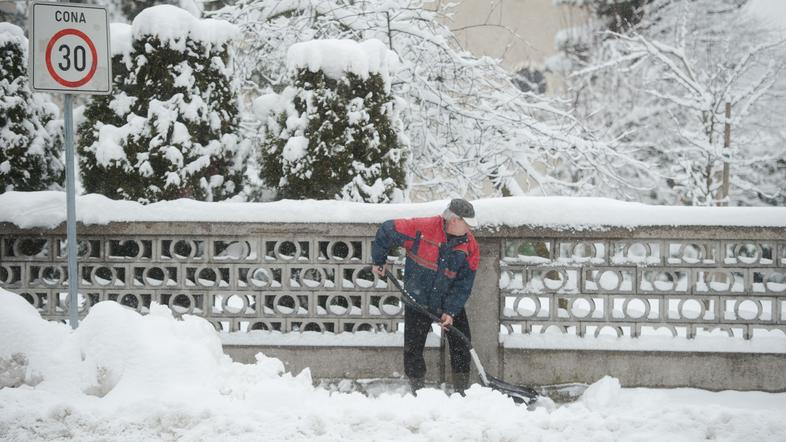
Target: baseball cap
{"x": 464, "y": 209}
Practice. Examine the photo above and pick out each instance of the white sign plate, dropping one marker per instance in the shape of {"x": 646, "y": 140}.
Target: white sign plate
{"x": 69, "y": 48}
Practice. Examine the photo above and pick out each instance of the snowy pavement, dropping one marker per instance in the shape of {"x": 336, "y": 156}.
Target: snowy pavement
{"x": 126, "y": 377}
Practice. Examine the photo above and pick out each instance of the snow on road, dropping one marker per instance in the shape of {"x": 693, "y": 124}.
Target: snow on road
{"x": 126, "y": 377}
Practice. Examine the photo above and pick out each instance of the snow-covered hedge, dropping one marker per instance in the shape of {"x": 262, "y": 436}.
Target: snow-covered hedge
{"x": 169, "y": 129}
{"x": 335, "y": 132}
{"x": 30, "y": 137}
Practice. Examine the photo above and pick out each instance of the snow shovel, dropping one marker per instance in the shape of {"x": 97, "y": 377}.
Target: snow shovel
{"x": 519, "y": 394}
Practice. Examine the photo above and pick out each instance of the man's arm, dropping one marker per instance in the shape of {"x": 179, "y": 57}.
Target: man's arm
{"x": 387, "y": 237}
{"x": 459, "y": 291}
{"x": 461, "y": 287}
{"x": 393, "y": 233}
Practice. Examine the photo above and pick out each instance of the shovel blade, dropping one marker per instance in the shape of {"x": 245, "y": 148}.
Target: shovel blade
{"x": 519, "y": 393}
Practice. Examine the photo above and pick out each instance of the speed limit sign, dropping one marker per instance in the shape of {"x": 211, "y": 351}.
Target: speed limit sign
{"x": 69, "y": 48}
{"x": 69, "y": 53}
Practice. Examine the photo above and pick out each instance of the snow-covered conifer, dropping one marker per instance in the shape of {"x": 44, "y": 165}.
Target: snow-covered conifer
{"x": 30, "y": 137}
{"x": 169, "y": 129}
{"x": 335, "y": 132}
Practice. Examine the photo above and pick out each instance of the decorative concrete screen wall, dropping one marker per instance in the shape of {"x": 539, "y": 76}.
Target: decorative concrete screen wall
{"x": 263, "y": 279}
{"x": 685, "y": 282}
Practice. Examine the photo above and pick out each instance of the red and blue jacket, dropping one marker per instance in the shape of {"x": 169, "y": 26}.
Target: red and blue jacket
{"x": 438, "y": 273}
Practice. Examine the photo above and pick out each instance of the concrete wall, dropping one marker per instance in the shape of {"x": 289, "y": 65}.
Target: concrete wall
{"x": 340, "y": 362}
{"x": 718, "y": 371}
{"x": 710, "y": 371}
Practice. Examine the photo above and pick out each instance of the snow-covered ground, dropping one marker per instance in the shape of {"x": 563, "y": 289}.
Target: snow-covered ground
{"x": 48, "y": 209}
{"x": 124, "y": 376}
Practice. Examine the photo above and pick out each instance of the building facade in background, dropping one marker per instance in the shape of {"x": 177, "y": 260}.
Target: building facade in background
{"x": 523, "y": 34}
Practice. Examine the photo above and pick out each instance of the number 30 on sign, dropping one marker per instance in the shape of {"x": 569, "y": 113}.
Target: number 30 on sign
{"x": 70, "y": 48}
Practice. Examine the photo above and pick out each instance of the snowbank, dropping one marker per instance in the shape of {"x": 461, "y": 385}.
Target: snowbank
{"x": 114, "y": 349}
{"x": 338, "y": 57}
{"x": 122, "y": 376}
{"x": 174, "y": 25}
{"x": 30, "y": 348}
{"x": 48, "y": 209}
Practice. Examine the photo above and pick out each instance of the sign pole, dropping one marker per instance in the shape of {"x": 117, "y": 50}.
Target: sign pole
{"x": 73, "y": 276}
{"x": 70, "y": 54}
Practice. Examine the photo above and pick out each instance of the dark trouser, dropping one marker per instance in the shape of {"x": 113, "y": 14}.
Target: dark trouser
{"x": 416, "y": 328}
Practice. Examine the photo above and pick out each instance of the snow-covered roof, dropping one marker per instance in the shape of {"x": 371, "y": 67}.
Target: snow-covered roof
{"x": 337, "y": 57}
{"x": 48, "y": 209}
{"x": 173, "y": 25}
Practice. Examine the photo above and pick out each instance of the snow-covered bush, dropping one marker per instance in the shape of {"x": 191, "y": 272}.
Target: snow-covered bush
{"x": 335, "y": 132}
{"x": 30, "y": 137}
{"x": 169, "y": 129}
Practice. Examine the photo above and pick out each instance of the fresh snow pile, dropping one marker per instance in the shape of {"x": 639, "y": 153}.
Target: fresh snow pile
{"x": 48, "y": 209}
{"x": 338, "y": 57}
{"x": 122, "y": 376}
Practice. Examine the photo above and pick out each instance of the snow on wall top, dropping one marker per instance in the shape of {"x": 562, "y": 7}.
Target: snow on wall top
{"x": 12, "y": 33}
{"x": 337, "y": 57}
{"x": 172, "y": 24}
{"x": 48, "y": 209}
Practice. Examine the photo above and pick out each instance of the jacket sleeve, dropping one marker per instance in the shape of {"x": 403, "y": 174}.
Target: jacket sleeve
{"x": 461, "y": 287}
{"x": 387, "y": 238}
{"x": 394, "y": 233}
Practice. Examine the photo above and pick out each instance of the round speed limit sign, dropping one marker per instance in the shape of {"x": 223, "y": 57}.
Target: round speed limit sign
{"x": 70, "y": 47}
{"x": 74, "y": 61}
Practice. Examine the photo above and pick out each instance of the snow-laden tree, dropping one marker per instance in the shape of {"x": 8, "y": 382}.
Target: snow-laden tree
{"x": 30, "y": 137}
{"x": 471, "y": 130}
{"x": 169, "y": 129}
{"x": 335, "y": 132}
{"x": 664, "y": 87}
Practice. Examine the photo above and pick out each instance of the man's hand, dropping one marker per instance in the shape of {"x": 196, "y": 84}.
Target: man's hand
{"x": 378, "y": 270}
{"x": 446, "y": 320}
